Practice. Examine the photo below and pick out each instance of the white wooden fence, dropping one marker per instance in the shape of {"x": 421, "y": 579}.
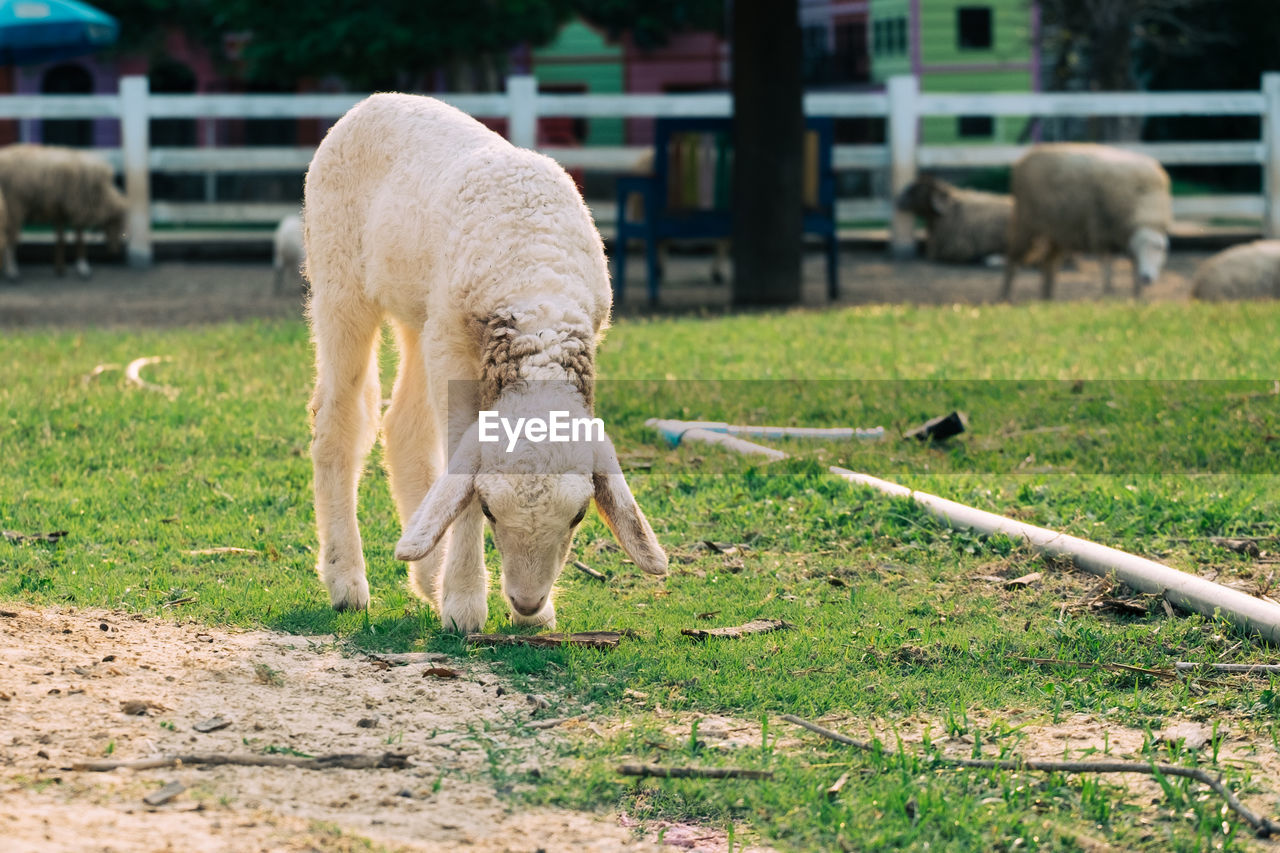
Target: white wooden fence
{"x": 902, "y": 105}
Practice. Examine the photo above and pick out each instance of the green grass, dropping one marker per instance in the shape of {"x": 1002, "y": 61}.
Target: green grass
{"x": 1082, "y": 419}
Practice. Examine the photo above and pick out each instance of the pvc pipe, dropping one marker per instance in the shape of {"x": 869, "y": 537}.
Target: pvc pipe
{"x": 1245, "y": 668}
{"x": 1187, "y": 591}
{"x": 673, "y": 431}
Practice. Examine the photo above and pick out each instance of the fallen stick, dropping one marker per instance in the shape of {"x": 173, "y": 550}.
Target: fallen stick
{"x": 348, "y": 761}
{"x": 1245, "y": 668}
{"x": 133, "y": 373}
{"x": 588, "y": 639}
{"x": 1264, "y": 827}
{"x": 658, "y": 771}
{"x": 1109, "y": 667}
{"x": 588, "y": 571}
{"x": 757, "y": 626}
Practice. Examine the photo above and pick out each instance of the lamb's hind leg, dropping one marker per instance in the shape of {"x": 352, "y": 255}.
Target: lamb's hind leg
{"x": 345, "y": 410}
{"x": 414, "y": 453}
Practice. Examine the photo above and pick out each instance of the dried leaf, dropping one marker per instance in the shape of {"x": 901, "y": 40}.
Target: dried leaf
{"x": 212, "y": 724}
{"x": 440, "y": 672}
{"x": 165, "y": 794}
{"x": 1025, "y": 580}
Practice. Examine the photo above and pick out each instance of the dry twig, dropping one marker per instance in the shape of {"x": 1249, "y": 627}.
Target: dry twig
{"x": 589, "y": 639}
{"x": 348, "y": 761}
{"x": 657, "y": 770}
{"x": 588, "y": 571}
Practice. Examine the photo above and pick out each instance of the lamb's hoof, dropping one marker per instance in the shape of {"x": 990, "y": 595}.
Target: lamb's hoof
{"x": 349, "y": 594}
{"x": 464, "y": 614}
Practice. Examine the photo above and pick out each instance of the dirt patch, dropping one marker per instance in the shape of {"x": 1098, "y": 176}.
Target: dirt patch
{"x": 1080, "y": 737}
{"x": 72, "y": 684}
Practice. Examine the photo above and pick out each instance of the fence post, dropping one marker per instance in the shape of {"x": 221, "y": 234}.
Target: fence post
{"x": 1271, "y": 154}
{"x": 522, "y": 95}
{"x": 136, "y": 144}
{"x": 903, "y": 122}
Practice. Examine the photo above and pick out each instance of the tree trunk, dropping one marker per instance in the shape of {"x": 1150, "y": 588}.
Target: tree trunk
{"x": 768, "y": 108}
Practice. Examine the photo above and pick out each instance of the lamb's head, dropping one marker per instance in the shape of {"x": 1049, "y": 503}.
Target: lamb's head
{"x": 1148, "y": 247}
{"x": 927, "y": 197}
{"x": 535, "y": 490}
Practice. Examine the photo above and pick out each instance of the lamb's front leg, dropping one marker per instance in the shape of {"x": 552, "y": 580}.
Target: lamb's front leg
{"x": 464, "y": 604}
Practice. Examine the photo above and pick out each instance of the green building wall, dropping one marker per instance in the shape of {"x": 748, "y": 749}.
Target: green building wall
{"x": 1006, "y": 66}
{"x": 580, "y": 56}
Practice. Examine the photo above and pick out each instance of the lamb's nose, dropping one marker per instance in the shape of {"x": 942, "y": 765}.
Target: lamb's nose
{"x": 527, "y": 606}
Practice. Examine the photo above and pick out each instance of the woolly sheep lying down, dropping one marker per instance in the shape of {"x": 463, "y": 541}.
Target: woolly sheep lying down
{"x": 485, "y": 260}
{"x": 1088, "y": 198}
{"x": 963, "y": 225}
{"x": 1248, "y": 271}
{"x": 62, "y": 187}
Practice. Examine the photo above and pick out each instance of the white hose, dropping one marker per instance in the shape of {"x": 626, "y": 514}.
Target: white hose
{"x": 1180, "y": 588}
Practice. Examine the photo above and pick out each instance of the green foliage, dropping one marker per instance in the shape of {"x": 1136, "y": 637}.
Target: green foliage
{"x": 376, "y": 45}
{"x": 650, "y": 22}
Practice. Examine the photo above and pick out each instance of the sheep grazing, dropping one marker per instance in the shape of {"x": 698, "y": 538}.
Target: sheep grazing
{"x": 488, "y": 266}
{"x": 1247, "y": 271}
{"x": 287, "y": 253}
{"x": 1088, "y": 198}
{"x": 63, "y": 187}
{"x": 963, "y": 226}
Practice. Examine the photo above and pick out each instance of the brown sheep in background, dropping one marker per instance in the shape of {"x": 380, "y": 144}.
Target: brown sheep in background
{"x": 1093, "y": 199}
{"x": 62, "y": 187}
{"x": 963, "y": 225}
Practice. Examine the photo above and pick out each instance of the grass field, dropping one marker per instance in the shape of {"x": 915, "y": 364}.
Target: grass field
{"x": 1147, "y": 427}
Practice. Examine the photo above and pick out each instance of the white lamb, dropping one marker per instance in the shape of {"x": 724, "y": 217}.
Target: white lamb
{"x": 62, "y": 187}
{"x": 493, "y": 276}
{"x": 1247, "y": 271}
{"x": 288, "y": 253}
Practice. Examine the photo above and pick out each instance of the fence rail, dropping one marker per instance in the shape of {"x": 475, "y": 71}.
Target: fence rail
{"x": 521, "y": 105}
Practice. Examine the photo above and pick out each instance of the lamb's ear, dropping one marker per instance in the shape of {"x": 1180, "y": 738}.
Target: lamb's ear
{"x": 622, "y": 514}
{"x": 446, "y": 500}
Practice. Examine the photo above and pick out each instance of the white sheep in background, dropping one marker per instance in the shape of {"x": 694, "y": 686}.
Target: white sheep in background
{"x": 288, "y": 253}
{"x": 1247, "y": 271}
{"x": 487, "y": 263}
{"x": 963, "y": 225}
{"x": 62, "y": 187}
{"x": 1093, "y": 199}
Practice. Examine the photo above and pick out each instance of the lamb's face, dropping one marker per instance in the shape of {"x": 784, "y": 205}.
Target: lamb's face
{"x": 533, "y": 518}
{"x": 1148, "y": 248}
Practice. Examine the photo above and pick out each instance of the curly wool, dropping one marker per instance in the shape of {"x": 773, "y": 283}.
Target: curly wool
{"x": 512, "y": 357}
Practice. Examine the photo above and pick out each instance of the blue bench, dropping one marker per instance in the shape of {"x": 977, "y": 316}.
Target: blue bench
{"x": 688, "y": 194}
